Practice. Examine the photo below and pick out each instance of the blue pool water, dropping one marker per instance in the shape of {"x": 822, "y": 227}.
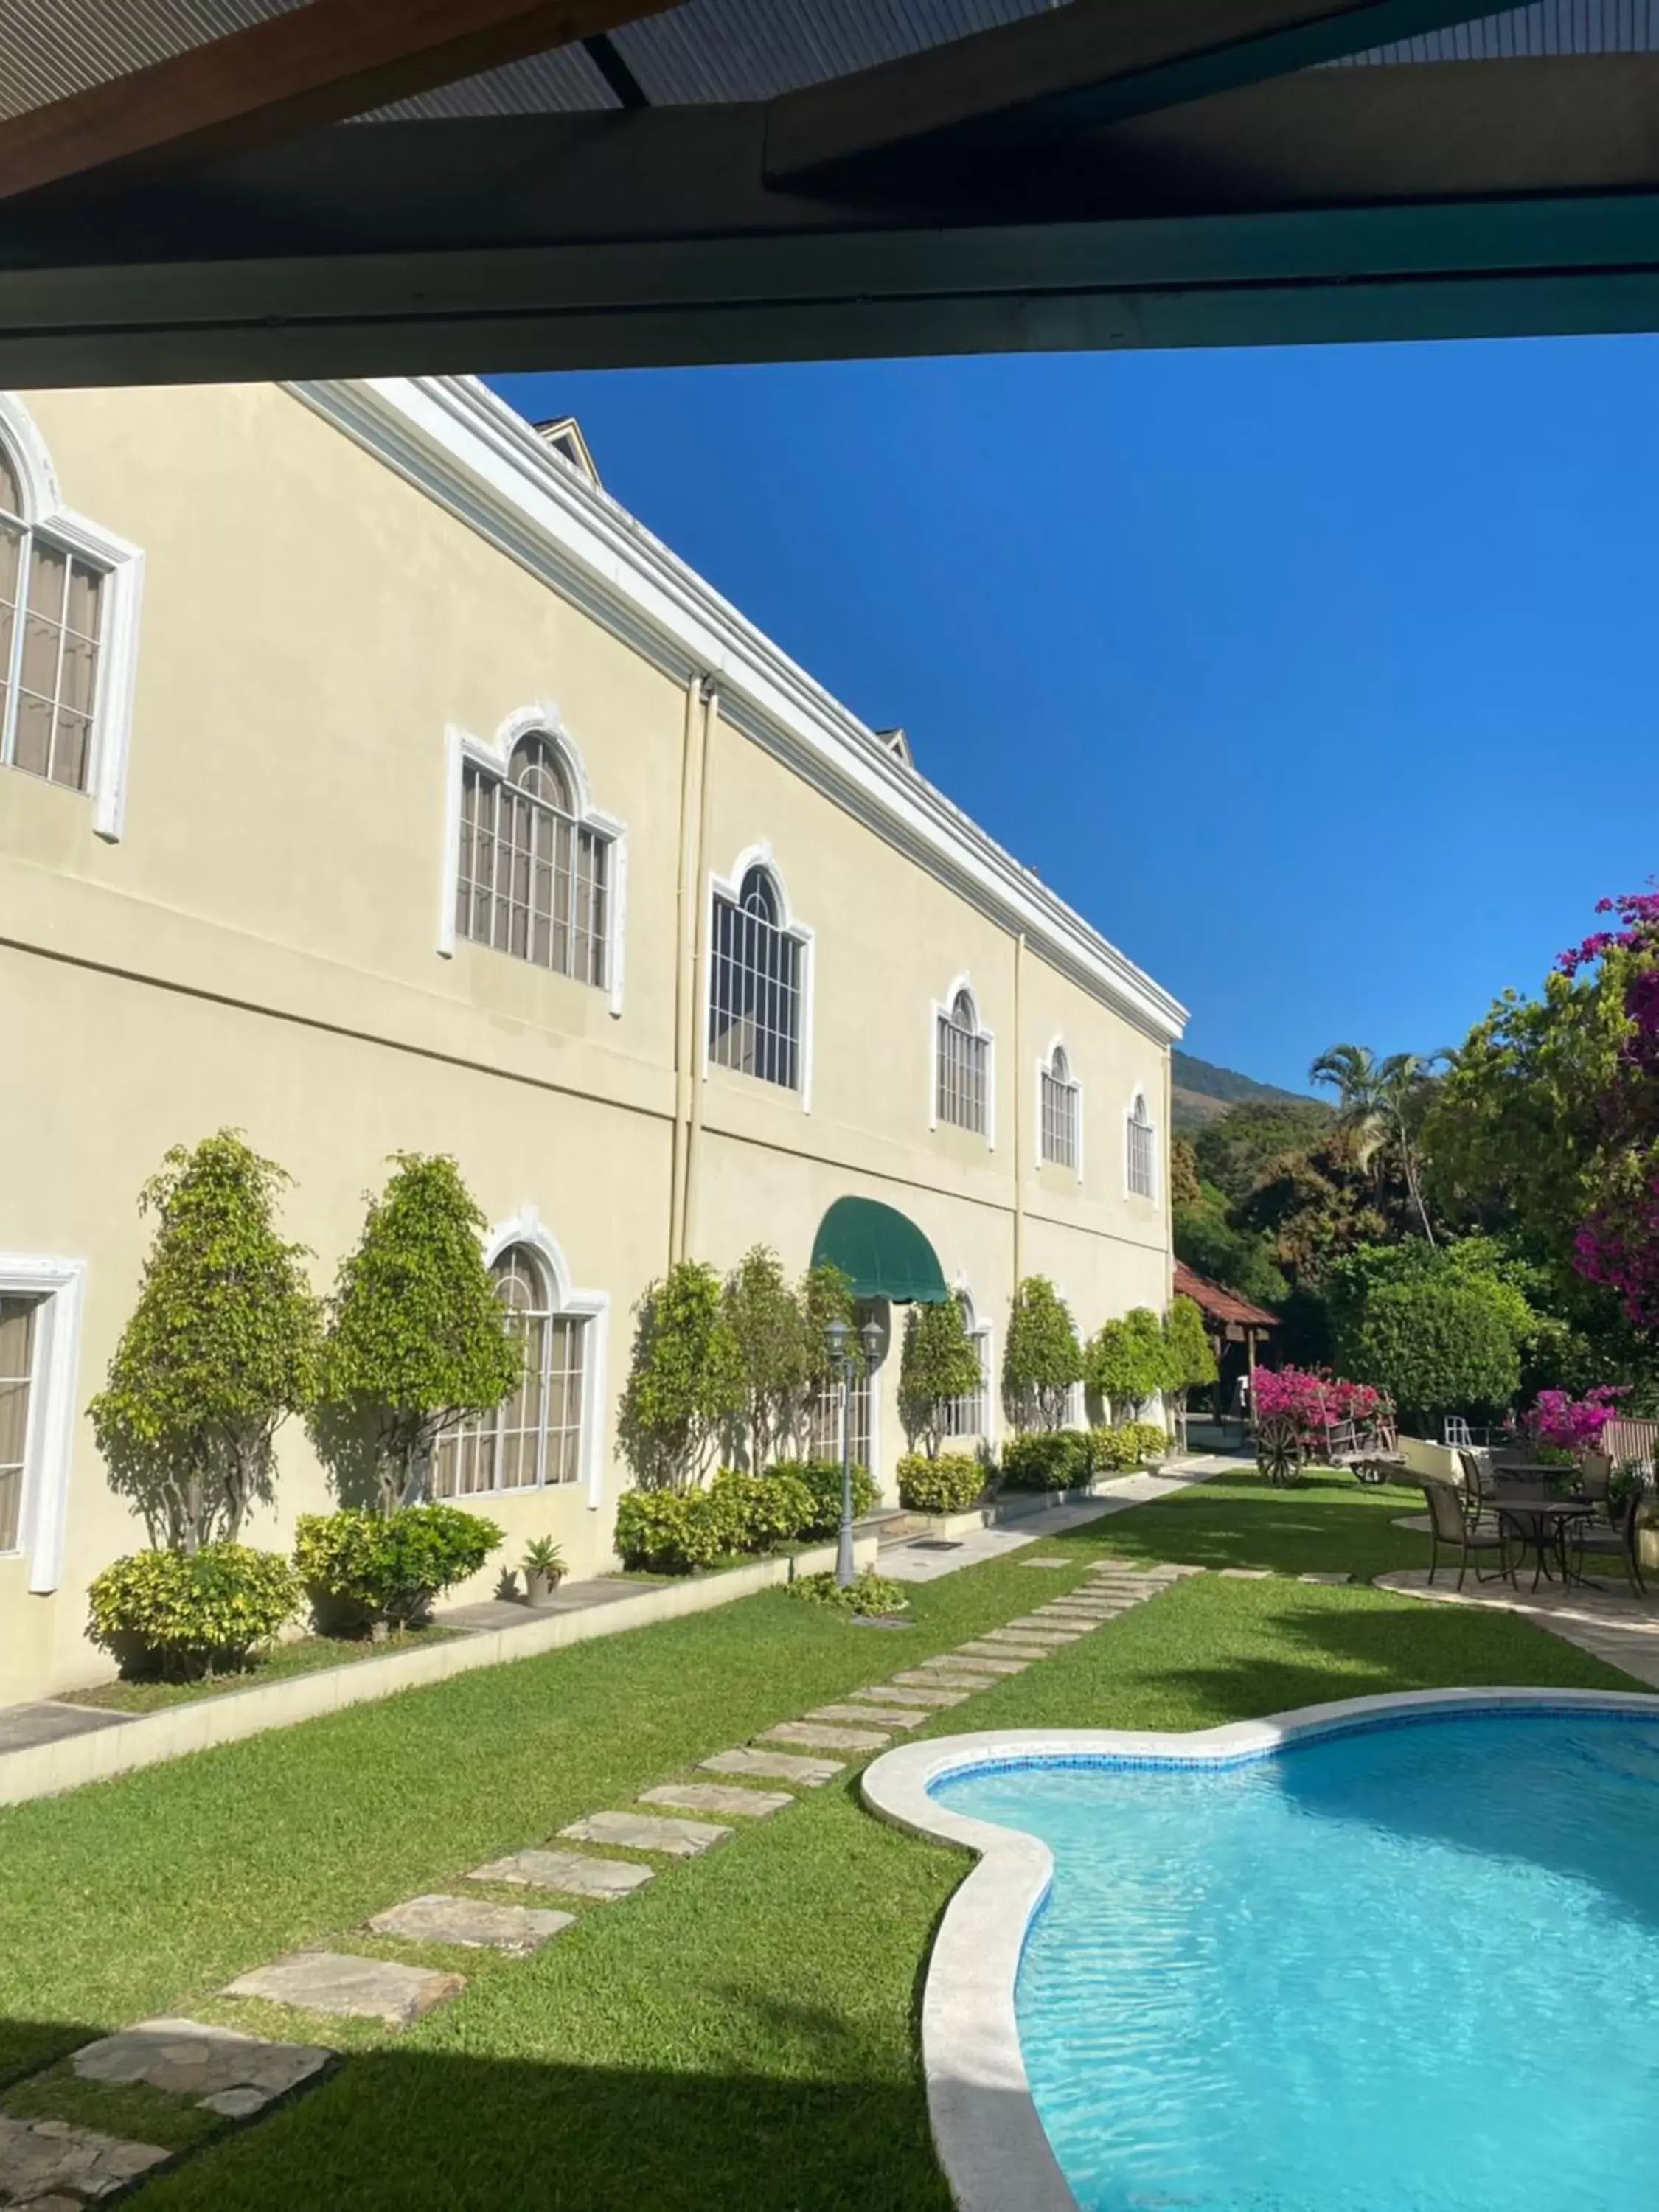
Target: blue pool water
{"x": 1414, "y": 1969}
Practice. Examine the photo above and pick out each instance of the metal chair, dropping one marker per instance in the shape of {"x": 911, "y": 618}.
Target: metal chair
{"x": 1452, "y": 1528}
{"x": 1479, "y": 1484}
{"x": 1595, "y": 1477}
{"x": 1615, "y": 1538}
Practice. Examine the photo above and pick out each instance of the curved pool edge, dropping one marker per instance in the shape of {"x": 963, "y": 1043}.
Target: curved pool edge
{"x": 992, "y": 2147}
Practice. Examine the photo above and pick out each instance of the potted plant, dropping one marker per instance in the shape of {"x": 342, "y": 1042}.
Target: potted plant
{"x": 544, "y": 1569}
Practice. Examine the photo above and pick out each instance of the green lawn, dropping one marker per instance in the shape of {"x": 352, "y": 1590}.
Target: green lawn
{"x": 304, "y": 1655}
{"x": 741, "y": 2034}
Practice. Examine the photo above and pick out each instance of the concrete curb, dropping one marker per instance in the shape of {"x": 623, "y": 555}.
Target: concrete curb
{"x": 990, "y": 2142}
{"x": 44, "y": 1770}
{"x": 1014, "y": 1505}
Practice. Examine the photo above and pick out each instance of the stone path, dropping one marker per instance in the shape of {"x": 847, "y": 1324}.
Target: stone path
{"x": 1608, "y": 1624}
{"x": 49, "y": 2166}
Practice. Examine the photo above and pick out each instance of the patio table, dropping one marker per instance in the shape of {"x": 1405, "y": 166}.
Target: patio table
{"x": 1540, "y": 1519}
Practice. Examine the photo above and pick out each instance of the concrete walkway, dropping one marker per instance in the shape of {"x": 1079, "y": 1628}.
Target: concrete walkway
{"x": 1609, "y": 1623}
{"x": 925, "y": 1559}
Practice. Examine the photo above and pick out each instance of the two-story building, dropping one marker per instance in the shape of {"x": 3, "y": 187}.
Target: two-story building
{"x": 371, "y": 781}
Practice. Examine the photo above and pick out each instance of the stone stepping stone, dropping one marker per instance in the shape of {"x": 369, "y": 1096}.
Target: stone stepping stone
{"x": 947, "y": 1678}
{"x": 224, "y": 2070}
{"x": 1331, "y": 1581}
{"x": 776, "y": 1765}
{"x": 1042, "y": 1624}
{"x": 718, "y": 1797}
{"x": 472, "y": 1922}
{"x": 815, "y": 1736}
{"x": 872, "y": 1718}
{"x": 1081, "y": 1615}
{"x": 1245, "y": 1574}
{"x": 648, "y": 1831}
{"x": 965, "y": 1662}
{"x": 1035, "y": 1641}
{"x": 1044, "y": 1562}
{"x": 571, "y": 1872}
{"x": 894, "y": 1693}
{"x": 977, "y": 1649}
{"x": 340, "y": 1983}
{"x": 45, "y": 2164}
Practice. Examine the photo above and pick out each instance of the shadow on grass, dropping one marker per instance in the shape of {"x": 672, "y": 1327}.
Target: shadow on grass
{"x": 1325, "y": 1524}
{"x": 438, "y": 2131}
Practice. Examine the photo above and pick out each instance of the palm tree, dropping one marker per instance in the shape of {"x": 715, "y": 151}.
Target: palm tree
{"x": 1401, "y": 1080}
{"x": 1372, "y": 1101}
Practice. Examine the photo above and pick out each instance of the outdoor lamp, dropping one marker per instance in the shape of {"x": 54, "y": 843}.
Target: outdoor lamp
{"x": 835, "y": 1334}
{"x": 869, "y": 1338}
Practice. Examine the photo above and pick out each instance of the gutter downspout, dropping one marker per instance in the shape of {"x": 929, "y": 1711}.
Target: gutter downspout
{"x": 1019, "y": 1119}
{"x": 696, "y": 1068}
{"x": 685, "y": 955}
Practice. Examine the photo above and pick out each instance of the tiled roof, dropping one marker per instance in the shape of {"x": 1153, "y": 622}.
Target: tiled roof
{"x": 1220, "y": 1304}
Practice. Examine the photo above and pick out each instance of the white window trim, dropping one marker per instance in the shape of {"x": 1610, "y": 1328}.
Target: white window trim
{"x": 940, "y": 1012}
{"x": 495, "y": 755}
{"x": 122, "y": 566}
{"x": 593, "y": 1307}
{"x": 49, "y": 1437}
{"x": 1146, "y": 1198}
{"x": 730, "y": 887}
{"x": 1045, "y": 1067}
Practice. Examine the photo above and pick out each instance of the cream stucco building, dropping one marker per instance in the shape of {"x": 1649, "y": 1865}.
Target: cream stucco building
{"x": 369, "y": 781}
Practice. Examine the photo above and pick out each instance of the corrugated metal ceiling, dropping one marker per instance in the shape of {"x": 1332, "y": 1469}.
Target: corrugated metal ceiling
{"x": 703, "y": 51}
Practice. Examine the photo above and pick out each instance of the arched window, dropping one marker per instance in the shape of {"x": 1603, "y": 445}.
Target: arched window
{"x": 1059, "y": 1119}
{"x": 755, "y": 985}
{"x": 1141, "y": 1164}
{"x": 533, "y": 878}
{"x": 970, "y": 1414}
{"x": 961, "y": 1066}
{"x": 534, "y": 1436}
{"x": 52, "y": 612}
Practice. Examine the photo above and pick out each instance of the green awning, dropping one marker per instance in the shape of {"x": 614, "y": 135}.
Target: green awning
{"x": 886, "y": 1256}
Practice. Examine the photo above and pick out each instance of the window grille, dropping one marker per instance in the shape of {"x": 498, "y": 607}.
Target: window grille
{"x": 1060, "y": 1112}
{"x": 825, "y": 1439}
{"x": 532, "y": 879}
{"x": 754, "y": 986}
{"x": 533, "y": 1438}
{"x": 1143, "y": 1153}
{"x": 17, "y": 1380}
{"x": 960, "y": 1084}
{"x": 969, "y": 1414}
{"x": 50, "y": 616}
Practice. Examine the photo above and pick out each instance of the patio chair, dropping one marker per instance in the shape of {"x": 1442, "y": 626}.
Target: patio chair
{"x": 1471, "y": 1537}
{"x": 1479, "y": 1484}
{"x": 1614, "y": 1538}
{"x": 1594, "y": 1477}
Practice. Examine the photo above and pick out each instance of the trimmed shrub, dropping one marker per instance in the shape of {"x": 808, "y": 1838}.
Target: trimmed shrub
{"x": 764, "y": 1509}
{"x": 822, "y": 1478}
{"x": 1045, "y": 1459}
{"x": 951, "y": 1484}
{"x": 675, "y": 1532}
{"x": 868, "y": 1592}
{"x": 1135, "y": 1444}
{"x": 183, "y": 1614}
{"x": 372, "y": 1567}
{"x": 1437, "y": 1347}
{"x": 1041, "y": 1358}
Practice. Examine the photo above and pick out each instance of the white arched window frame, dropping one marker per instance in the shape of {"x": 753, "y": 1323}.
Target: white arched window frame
{"x": 962, "y": 1065}
{"x": 1140, "y": 1150}
{"x": 974, "y": 1414}
{"x": 493, "y": 758}
{"x": 758, "y": 980}
{"x": 524, "y": 1234}
{"x": 1059, "y": 1116}
{"x": 41, "y": 1297}
{"x": 45, "y": 521}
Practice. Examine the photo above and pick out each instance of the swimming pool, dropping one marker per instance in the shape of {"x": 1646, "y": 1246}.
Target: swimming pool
{"x": 1411, "y": 1967}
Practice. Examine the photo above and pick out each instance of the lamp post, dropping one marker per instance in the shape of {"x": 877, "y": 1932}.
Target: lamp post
{"x": 836, "y": 1334}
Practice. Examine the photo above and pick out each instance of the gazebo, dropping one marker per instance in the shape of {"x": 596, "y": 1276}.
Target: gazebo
{"x": 1236, "y": 1330}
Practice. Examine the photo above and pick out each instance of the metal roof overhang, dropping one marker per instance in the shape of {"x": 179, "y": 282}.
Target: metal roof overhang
{"x": 881, "y": 1252}
{"x": 612, "y": 182}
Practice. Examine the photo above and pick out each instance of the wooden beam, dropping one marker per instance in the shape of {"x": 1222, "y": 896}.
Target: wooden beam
{"x": 1027, "y": 83}
{"x": 316, "y": 64}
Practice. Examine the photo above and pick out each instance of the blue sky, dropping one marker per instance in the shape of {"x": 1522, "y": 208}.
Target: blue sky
{"x": 1322, "y": 682}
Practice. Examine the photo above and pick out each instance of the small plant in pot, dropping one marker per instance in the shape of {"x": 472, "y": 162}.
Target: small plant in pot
{"x": 544, "y": 1569}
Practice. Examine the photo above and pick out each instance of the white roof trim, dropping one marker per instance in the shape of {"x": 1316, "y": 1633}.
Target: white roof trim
{"x": 469, "y": 451}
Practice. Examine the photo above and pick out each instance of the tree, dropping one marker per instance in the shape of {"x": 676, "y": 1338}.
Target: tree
{"x": 1236, "y": 1148}
{"x": 685, "y": 1380}
{"x": 768, "y": 1326}
{"x": 418, "y": 1339}
{"x": 825, "y": 1295}
{"x": 221, "y": 1346}
{"x": 1184, "y": 1189}
{"x": 1311, "y": 1208}
{"x": 1438, "y": 1346}
{"x": 1189, "y": 1355}
{"x": 1379, "y": 1103}
{"x": 1239, "y": 1259}
{"x": 1128, "y": 1362}
{"x": 1042, "y": 1359}
{"x": 938, "y": 1363}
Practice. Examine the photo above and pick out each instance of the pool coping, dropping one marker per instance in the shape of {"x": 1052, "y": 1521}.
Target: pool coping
{"x": 991, "y": 2143}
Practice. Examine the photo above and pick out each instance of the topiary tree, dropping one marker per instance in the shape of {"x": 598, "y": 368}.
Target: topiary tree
{"x": 825, "y": 1295}
{"x": 1438, "y": 1346}
{"x": 768, "y": 1325}
{"x": 1190, "y": 1357}
{"x": 939, "y": 1362}
{"x": 685, "y": 1380}
{"x": 221, "y": 1346}
{"x": 1042, "y": 1359}
{"x": 1127, "y": 1362}
{"x": 418, "y": 1339}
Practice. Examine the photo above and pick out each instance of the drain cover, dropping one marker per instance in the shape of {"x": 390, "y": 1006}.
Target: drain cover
{"x": 936, "y": 1544}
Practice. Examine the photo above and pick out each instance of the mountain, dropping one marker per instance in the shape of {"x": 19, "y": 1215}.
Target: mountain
{"x": 1200, "y": 1090}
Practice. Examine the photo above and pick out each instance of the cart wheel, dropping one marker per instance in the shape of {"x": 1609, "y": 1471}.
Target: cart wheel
{"x": 1279, "y": 1451}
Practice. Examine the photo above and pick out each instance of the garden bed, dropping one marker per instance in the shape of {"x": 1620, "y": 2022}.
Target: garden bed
{"x": 302, "y": 1656}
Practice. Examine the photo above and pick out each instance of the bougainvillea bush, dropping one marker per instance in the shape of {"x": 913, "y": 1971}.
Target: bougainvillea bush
{"x": 1314, "y": 1400}
{"x": 1575, "y": 1424}
{"x": 1617, "y": 1243}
